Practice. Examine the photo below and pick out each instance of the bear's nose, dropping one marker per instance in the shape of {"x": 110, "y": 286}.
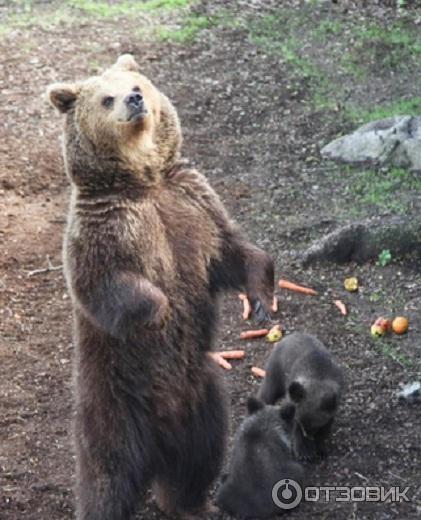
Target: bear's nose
{"x": 135, "y": 99}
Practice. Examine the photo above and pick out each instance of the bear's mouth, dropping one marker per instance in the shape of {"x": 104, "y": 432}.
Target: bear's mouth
{"x": 137, "y": 115}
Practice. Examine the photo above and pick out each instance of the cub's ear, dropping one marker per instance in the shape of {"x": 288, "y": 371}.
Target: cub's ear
{"x": 63, "y": 96}
{"x": 127, "y": 62}
{"x": 296, "y": 391}
{"x": 287, "y": 412}
{"x": 254, "y": 405}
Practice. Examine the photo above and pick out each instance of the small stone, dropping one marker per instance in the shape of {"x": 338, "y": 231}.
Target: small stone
{"x": 410, "y": 392}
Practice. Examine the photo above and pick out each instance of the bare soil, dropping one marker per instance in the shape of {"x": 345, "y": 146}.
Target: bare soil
{"x": 249, "y": 126}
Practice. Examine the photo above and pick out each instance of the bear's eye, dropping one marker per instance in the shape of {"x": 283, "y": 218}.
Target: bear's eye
{"x": 107, "y": 101}
{"x": 136, "y": 89}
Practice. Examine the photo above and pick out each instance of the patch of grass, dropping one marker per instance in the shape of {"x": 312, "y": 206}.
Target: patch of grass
{"x": 327, "y": 28}
{"x": 191, "y": 27}
{"x": 375, "y": 296}
{"x": 165, "y": 4}
{"x": 393, "y": 353}
{"x": 281, "y": 34}
{"x": 34, "y": 17}
{"x": 269, "y": 33}
{"x": 5, "y": 30}
{"x": 352, "y": 67}
{"x": 188, "y": 26}
{"x": 106, "y": 10}
{"x": 398, "y": 108}
{"x": 27, "y": 13}
{"x": 381, "y": 49}
{"x": 396, "y": 37}
{"x": 381, "y": 189}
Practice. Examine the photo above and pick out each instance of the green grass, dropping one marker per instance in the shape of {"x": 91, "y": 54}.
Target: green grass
{"x": 382, "y": 49}
{"x": 364, "y": 51}
{"x": 395, "y": 37}
{"x": 375, "y": 296}
{"x": 393, "y": 353}
{"x": 281, "y": 34}
{"x": 27, "y": 14}
{"x": 269, "y": 33}
{"x": 30, "y": 17}
{"x": 191, "y": 27}
{"x": 381, "y": 190}
{"x": 398, "y": 108}
{"x": 327, "y": 28}
{"x": 106, "y": 10}
{"x": 188, "y": 26}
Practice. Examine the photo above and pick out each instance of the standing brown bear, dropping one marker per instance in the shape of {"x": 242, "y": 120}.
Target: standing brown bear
{"x": 148, "y": 247}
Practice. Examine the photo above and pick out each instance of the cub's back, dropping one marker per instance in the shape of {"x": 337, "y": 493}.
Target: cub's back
{"x": 300, "y": 353}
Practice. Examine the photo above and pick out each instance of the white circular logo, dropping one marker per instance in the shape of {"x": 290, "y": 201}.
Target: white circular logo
{"x": 287, "y": 494}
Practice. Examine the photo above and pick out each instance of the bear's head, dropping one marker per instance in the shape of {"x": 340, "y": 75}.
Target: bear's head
{"x": 120, "y": 129}
{"x": 261, "y": 457}
{"x": 315, "y": 402}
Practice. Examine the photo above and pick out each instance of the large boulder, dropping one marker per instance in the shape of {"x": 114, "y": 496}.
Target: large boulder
{"x": 392, "y": 141}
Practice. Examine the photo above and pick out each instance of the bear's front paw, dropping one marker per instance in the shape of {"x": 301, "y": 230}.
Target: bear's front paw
{"x": 261, "y": 309}
{"x": 261, "y": 313}
{"x": 260, "y": 285}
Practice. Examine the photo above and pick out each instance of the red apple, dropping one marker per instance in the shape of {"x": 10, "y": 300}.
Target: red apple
{"x": 384, "y": 323}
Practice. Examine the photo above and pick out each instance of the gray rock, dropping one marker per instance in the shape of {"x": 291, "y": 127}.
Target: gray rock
{"x": 410, "y": 392}
{"x": 394, "y": 140}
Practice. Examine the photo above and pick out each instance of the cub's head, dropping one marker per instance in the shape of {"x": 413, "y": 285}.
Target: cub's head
{"x": 315, "y": 402}
{"x": 262, "y": 456}
{"x": 265, "y": 421}
{"x": 117, "y": 120}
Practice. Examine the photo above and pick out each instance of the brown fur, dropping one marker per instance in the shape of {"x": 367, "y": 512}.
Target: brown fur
{"x": 302, "y": 370}
{"x": 148, "y": 248}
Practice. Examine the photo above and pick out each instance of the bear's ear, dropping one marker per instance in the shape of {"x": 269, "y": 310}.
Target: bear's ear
{"x": 63, "y": 96}
{"x": 254, "y": 405}
{"x": 127, "y": 62}
{"x": 296, "y": 391}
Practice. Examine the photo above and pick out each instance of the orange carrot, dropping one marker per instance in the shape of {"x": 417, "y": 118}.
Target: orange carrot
{"x": 258, "y": 372}
{"x": 232, "y": 354}
{"x": 275, "y": 304}
{"x": 285, "y": 284}
{"x": 247, "y": 306}
{"x": 341, "y": 307}
{"x": 251, "y": 334}
{"x": 216, "y": 356}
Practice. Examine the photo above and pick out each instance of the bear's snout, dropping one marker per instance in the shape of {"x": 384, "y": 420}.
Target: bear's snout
{"x": 134, "y": 99}
{"x": 135, "y": 104}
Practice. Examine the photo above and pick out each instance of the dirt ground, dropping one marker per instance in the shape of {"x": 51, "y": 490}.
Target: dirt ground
{"x": 251, "y": 126}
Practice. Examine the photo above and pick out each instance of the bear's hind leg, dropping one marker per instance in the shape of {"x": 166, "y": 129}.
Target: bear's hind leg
{"x": 166, "y": 497}
{"x": 109, "y": 483}
{"x": 196, "y": 461}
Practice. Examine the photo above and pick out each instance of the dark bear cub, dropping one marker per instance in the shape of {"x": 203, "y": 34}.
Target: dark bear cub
{"x": 262, "y": 456}
{"x": 148, "y": 249}
{"x": 302, "y": 370}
